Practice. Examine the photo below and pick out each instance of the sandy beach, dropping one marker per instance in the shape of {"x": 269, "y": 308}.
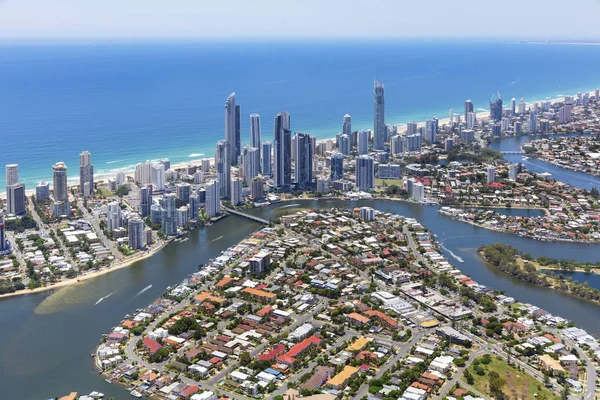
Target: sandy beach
{"x": 88, "y": 275}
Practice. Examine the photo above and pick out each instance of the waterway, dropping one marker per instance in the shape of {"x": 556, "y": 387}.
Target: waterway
{"x": 574, "y": 178}
{"x": 592, "y": 279}
{"x": 46, "y": 339}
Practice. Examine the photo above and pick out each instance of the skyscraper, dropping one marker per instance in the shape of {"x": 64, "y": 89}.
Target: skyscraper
{"x": 60, "y": 182}
{"x": 468, "y": 108}
{"x": 15, "y": 191}
{"x": 347, "y": 125}
{"x": 304, "y": 155}
{"x": 365, "y": 173}
{"x": 114, "y": 218}
{"x": 223, "y": 167}
{"x": 379, "y": 128}
{"x": 145, "y": 200}
{"x": 194, "y": 205}
{"x": 135, "y": 231}
{"x": 4, "y": 244}
{"x": 532, "y": 123}
{"x": 521, "y": 106}
{"x": 183, "y": 192}
{"x": 496, "y": 107}
{"x": 411, "y": 128}
{"x": 15, "y": 199}
{"x": 337, "y": 166}
{"x": 236, "y": 191}
{"x": 491, "y": 174}
{"x": 363, "y": 142}
{"x": 266, "y": 155}
{"x": 513, "y": 106}
{"x": 169, "y": 214}
{"x": 213, "y": 202}
{"x": 42, "y": 191}
{"x": 282, "y": 151}
{"x": 258, "y": 184}
{"x": 232, "y": 129}
{"x": 255, "y": 132}
{"x": 12, "y": 174}
{"x": 251, "y": 163}
{"x": 86, "y": 174}
{"x": 345, "y": 142}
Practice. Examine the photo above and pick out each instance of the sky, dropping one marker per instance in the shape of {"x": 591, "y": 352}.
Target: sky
{"x": 76, "y": 19}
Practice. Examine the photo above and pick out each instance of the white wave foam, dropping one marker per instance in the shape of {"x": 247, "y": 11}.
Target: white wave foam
{"x": 114, "y": 161}
{"x": 196, "y": 155}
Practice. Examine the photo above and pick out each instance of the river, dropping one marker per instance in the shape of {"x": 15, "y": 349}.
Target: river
{"x": 47, "y": 338}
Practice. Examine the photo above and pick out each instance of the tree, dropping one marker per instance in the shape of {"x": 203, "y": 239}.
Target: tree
{"x": 245, "y": 358}
{"x": 496, "y": 383}
{"x": 122, "y": 191}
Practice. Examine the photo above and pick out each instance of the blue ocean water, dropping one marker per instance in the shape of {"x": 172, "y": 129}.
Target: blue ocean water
{"x": 128, "y": 102}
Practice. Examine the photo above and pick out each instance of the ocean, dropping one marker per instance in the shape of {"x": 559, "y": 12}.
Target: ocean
{"x": 127, "y": 102}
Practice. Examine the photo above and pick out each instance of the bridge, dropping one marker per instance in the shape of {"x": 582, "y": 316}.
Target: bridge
{"x": 514, "y": 152}
{"x": 247, "y": 216}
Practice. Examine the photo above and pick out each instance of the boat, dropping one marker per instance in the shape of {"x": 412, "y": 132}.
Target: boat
{"x": 108, "y": 380}
{"x": 136, "y": 394}
{"x": 96, "y": 395}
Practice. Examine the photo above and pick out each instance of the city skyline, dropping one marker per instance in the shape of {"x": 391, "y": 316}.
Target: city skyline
{"x": 111, "y": 19}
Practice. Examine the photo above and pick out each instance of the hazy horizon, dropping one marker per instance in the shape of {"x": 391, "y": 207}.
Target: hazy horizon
{"x": 317, "y": 19}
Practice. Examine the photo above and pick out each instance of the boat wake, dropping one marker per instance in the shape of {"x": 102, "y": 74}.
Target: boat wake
{"x": 290, "y": 205}
{"x": 457, "y": 258}
{"x": 214, "y": 240}
{"x": 101, "y": 299}
{"x": 142, "y": 291}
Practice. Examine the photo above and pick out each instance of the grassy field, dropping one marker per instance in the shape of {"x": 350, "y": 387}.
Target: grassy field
{"x": 519, "y": 385}
{"x": 388, "y": 182}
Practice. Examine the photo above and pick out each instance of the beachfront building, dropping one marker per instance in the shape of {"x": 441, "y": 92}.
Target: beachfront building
{"x": 232, "y": 129}
{"x": 61, "y": 191}
{"x": 12, "y": 174}
{"x": 365, "y": 173}
{"x": 86, "y": 174}
{"x": 282, "y": 165}
{"x": 347, "y": 125}
{"x": 42, "y": 191}
{"x": 223, "y": 167}
{"x": 265, "y": 161}
{"x": 468, "y": 107}
{"x": 303, "y": 171}
{"x": 379, "y": 128}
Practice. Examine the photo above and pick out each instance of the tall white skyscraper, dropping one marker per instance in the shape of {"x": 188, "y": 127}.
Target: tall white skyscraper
{"x": 86, "y": 174}
{"x": 232, "y": 129}
{"x": 513, "y": 171}
{"x": 15, "y": 191}
{"x": 411, "y": 128}
{"x": 251, "y": 163}
{"x": 114, "y": 217}
{"x": 60, "y": 182}
{"x": 236, "y": 191}
{"x": 255, "y": 132}
{"x": 521, "y": 106}
{"x": 347, "y": 125}
{"x": 468, "y": 108}
{"x": 379, "y": 128}
{"x": 223, "y": 167}
{"x": 213, "y": 199}
{"x": 365, "y": 173}
{"x": 363, "y": 142}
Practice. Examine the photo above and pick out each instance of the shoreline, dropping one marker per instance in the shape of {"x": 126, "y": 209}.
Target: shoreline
{"x": 84, "y": 277}
{"x": 553, "y": 281}
{"x": 128, "y": 171}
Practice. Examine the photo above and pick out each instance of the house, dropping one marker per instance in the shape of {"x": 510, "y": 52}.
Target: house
{"x": 359, "y": 344}
{"x": 340, "y": 380}
{"x": 321, "y": 375}
{"x": 383, "y": 319}
{"x": 260, "y": 295}
{"x": 151, "y": 345}
{"x": 296, "y": 350}
{"x": 357, "y": 319}
{"x": 547, "y": 363}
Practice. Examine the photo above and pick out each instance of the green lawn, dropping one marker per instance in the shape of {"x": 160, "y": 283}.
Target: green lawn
{"x": 388, "y": 182}
{"x": 519, "y": 385}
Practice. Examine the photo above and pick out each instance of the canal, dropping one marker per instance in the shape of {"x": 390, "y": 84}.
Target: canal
{"x": 47, "y": 338}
